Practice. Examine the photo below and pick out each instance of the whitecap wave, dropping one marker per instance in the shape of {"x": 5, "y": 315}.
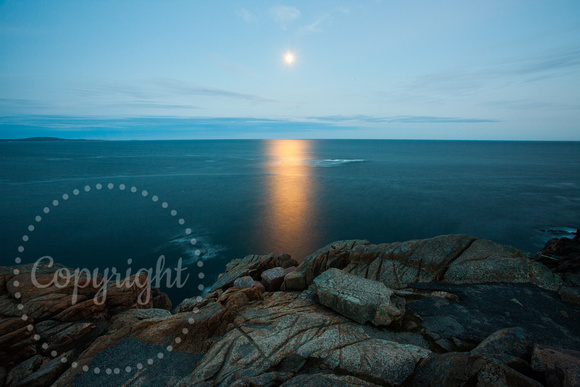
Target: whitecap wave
{"x": 543, "y": 235}
{"x": 334, "y": 162}
{"x": 202, "y": 250}
{"x": 558, "y": 232}
{"x": 324, "y": 163}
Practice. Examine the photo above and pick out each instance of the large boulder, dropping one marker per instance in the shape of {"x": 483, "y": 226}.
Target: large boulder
{"x": 286, "y": 261}
{"x": 487, "y": 261}
{"x": 506, "y": 342}
{"x": 251, "y": 265}
{"x": 358, "y": 298}
{"x": 400, "y": 263}
{"x": 47, "y": 373}
{"x": 335, "y": 255}
{"x": 244, "y": 282}
{"x": 450, "y": 258}
{"x": 465, "y": 369}
{"x": 560, "y": 366}
{"x": 562, "y": 256}
{"x": 25, "y": 369}
{"x": 487, "y": 308}
{"x": 273, "y": 278}
{"x": 160, "y": 300}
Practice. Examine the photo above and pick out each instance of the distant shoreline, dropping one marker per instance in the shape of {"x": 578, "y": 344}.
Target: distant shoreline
{"x": 43, "y": 139}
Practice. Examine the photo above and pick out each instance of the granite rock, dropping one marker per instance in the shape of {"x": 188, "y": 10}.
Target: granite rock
{"x": 508, "y": 341}
{"x": 450, "y": 258}
{"x": 273, "y": 278}
{"x": 244, "y": 282}
{"x": 486, "y": 261}
{"x": 358, "y": 298}
{"x": 562, "y": 365}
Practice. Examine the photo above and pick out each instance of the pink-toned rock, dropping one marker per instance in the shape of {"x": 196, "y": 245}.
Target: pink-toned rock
{"x": 44, "y": 281}
{"x": 290, "y": 269}
{"x": 295, "y": 281}
{"x": 25, "y": 369}
{"x": 133, "y": 316}
{"x": 273, "y": 278}
{"x": 554, "y": 361}
{"x": 134, "y": 292}
{"x": 251, "y": 265}
{"x": 82, "y": 310}
{"x": 260, "y": 286}
{"x": 15, "y": 336}
{"x": 14, "y": 350}
{"x": 239, "y": 296}
{"x": 508, "y": 341}
{"x": 48, "y": 305}
{"x": 161, "y": 300}
{"x": 285, "y": 260}
{"x": 63, "y": 337}
{"x": 48, "y": 372}
{"x": 8, "y": 306}
{"x": 5, "y": 274}
{"x": 244, "y": 282}
{"x": 287, "y": 329}
{"x": 462, "y": 369}
{"x": 11, "y": 324}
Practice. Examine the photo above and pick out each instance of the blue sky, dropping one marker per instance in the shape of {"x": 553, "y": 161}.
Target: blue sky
{"x": 490, "y": 70}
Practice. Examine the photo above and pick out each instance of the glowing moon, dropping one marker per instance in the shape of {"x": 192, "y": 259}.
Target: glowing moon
{"x": 289, "y": 58}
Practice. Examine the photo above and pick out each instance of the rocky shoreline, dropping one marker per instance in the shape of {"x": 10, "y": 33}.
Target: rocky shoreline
{"x": 450, "y": 310}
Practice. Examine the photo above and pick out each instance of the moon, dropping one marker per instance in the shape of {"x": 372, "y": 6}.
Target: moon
{"x": 289, "y": 58}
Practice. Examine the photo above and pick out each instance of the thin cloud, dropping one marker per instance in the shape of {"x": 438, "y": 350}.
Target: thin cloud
{"x": 192, "y": 126}
{"x": 19, "y": 102}
{"x": 246, "y": 15}
{"x": 547, "y": 62}
{"x": 138, "y": 91}
{"x": 284, "y": 15}
{"x": 528, "y": 104}
{"x": 153, "y": 105}
{"x": 160, "y": 89}
{"x": 185, "y": 88}
{"x": 400, "y": 119}
{"x": 531, "y": 68}
{"x": 316, "y": 26}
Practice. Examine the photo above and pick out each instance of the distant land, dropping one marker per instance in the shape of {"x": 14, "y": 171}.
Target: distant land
{"x": 42, "y": 139}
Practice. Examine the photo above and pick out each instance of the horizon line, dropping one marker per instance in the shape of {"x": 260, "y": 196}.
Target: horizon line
{"x": 62, "y": 139}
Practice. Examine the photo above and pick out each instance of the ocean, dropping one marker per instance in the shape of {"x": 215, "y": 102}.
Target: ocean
{"x": 123, "y": 204}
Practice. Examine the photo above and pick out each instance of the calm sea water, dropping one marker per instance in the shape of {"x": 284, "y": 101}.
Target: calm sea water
{"x": 243, "y": 197}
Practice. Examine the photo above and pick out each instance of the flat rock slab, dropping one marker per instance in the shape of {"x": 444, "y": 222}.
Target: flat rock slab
{"x": 486, "y": 308}
{"x": 128, "y": 353}
{"x": 293, "y": 334}
{"x": 358, "y": 298}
